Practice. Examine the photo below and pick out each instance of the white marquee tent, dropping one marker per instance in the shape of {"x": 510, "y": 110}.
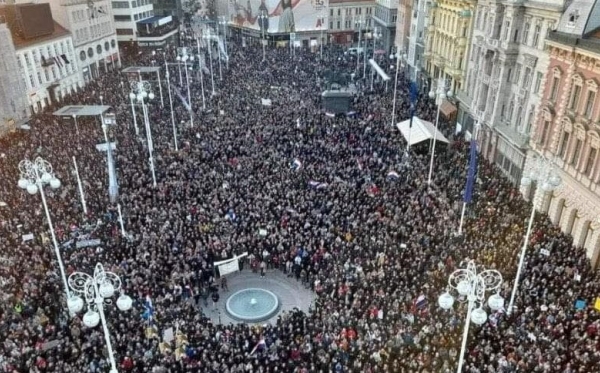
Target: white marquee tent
{"x": 422, "y": 130}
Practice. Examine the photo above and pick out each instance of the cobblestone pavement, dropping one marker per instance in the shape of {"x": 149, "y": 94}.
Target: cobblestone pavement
{"x": 291, "y": 293}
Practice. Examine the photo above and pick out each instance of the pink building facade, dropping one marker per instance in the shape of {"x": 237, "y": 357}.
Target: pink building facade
{"x": 567, "y": 131}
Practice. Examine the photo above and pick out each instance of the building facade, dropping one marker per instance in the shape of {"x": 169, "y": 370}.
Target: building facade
{"x": 385, "y": 18}
{"x": 566, "y": 128}
{"x": 403, "y": 23}
{"x": 48, "y": 67}
{"x": 505, "y": 73}
{"x": 447, "y": 41}
{"x": 127, "y": 14}
{"x": 92, "y": 27}
{"x": 14, "y": 106}
{"x": 414, "y": 46}
{"x": 347, "y": 18}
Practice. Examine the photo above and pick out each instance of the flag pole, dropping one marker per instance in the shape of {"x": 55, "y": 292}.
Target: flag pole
{"x": 470, "y": 179}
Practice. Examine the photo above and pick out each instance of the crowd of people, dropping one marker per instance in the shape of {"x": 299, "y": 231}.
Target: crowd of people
{"x": 367, "y": 244}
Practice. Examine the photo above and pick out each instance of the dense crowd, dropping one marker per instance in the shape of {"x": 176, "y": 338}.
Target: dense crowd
{"x": 369, "y": 246}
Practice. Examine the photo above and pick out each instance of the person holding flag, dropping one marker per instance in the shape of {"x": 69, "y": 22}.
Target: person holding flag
{"x": 260, "y": 346}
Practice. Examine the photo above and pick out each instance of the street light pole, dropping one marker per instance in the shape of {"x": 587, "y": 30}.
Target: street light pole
{"x": 80, "y": 186}
{"x": 209, "y": 46}
{"x": 358, "y": 51}
{"x": 96, "y": 290}
{"x": 541, "y": 172}
{"x": 472, "y": 285}
{"x": 439, "y": 95}
{"x": 395, "y": 88}
{"x": 168, "y": 75}
{"x": 34, "y": 176}
{"x": 132, "y": 97}
{"x": 141, "y": 98}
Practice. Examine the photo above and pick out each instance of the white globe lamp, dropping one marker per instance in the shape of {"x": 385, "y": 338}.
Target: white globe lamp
{"x": 75, "y": 304}
{"x": 91, "y": 319}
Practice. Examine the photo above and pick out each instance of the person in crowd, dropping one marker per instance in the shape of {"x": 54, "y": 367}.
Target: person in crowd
{"x": 367, "y": 245}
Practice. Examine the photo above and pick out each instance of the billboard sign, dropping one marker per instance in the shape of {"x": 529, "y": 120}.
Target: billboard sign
{"x": 279, "y": 16}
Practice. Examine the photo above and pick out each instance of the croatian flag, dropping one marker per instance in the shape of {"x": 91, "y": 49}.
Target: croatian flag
{"x": 262, "y": 345}
{"x": 421, "y": 302}
{"x": 296, "y": 164}
{"x": 468, "y": 197}
{"x": 148, "y": 313}
{"x": 393, "y": 176}
{"x": 372, "y": 190}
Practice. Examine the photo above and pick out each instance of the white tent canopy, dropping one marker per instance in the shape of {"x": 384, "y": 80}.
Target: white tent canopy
{"x": 422, "y": 130}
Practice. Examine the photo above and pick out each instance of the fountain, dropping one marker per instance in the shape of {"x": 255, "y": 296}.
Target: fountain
{"x": 252, "y": 305}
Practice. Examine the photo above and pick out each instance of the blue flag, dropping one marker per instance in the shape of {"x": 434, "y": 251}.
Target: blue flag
{"x": 414, "y": 91}
{"x": 471, "y": 173}
{"x": 148, "y": 313}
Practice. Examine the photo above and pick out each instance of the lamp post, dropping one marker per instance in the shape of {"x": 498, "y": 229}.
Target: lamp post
{"x": 440, "y": 94}
{"x": 80, "y": 186}
{"x": 397, "y": 56}
{"x": 223, "y": 22}
{"x": 143, "y": 87}
{"x": 76, "y": 125}
{"x": 168, "y": 75}
{"x": 375, "y": 35}
{"x": 34, "y": 176}
{"x": 132, "y": 97}
{"x": 263, "y": 18}
{"x": 97, "y": 290}
{"x": 208, "y": 39}
{"x": 113, "y": 186}
{"x": 359, "y": 23}
{"x": 185, "y": 59}
{"x": 473, "y": 286}
{"x": 541, "y": 172}
{"x": 201, "y": 75}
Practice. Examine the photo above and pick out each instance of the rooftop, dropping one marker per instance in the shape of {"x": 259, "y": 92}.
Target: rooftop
{"x": 59, "y": 32}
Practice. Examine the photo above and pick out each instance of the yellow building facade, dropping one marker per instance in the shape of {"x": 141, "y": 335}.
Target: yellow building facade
{"x": 447, "y": 40}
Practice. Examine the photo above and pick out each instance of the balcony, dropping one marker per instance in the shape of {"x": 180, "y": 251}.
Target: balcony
{"x": 464, "y": 98}
{"x": 516, "y": 138}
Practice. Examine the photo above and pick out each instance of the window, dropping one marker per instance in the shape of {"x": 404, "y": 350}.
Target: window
{"x": 536, "y": 35}
{"x": 124, "y": 31}
{"x": 545, "y": 131}
{"x": 554, "y": 88}
{"x": 576, "y": 92}
{"x": 31, "y": 80}
{"x": 564, "y": 144}
{"x": 122, "y": 18}
{"x": 538, "y": 82}
{"x": 589, "y": 164}
{"x": 338, "y": 25}
{"x": 517, "y": 74}
{"x": 39, "y": 76}
{"x": 82, "y": 55}
{"x": 331, "y": 25}
{"x": 330, "y": 11}
{"x": 27, "y": 61}
{"x": 509, "y": 75}
{"x": 577, "y": 152}
{"x": 90, "y": 52}
{"x": 113, "y": 43}
{"x": 99, "y": 49}
{"x": 589, "y": 104}
{"x": 527, "y": 78}
{"x": 120, "y": 4}
{"x": 506, "y": 30}
{"x": 525, "y": 34}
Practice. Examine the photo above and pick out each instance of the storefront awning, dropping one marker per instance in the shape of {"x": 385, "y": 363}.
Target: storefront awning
{"x": 448, "y": 109}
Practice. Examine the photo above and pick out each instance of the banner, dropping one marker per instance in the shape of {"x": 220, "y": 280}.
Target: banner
{"x": 229, "y": 267}
{"x": 87, "y": 243}
{"x": 282, "y": 16}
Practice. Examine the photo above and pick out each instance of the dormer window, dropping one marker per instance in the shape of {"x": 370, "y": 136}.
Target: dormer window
{"x": 573, "y": 17}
